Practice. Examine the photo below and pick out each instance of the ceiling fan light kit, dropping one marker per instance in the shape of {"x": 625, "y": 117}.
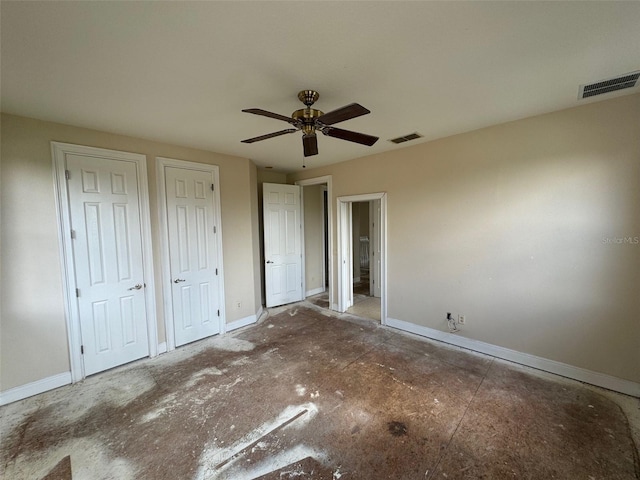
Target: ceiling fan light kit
{"x": 309, "y": 121}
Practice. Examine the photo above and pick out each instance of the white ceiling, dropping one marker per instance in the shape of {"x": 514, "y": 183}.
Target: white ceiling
{"x": 181, "y": 72}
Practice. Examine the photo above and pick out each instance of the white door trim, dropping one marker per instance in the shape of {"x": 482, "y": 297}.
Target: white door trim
{"x": 345, "y": 291}
{"x": 345, "y": 255}
{"x": 327, "y": 179}
{"x": 161, "y": 163}
{"x": 69, "y": 285}
{"x": 325, "y": 237}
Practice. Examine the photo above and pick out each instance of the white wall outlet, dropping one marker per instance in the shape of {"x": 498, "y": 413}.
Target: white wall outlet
{"x": 238, "y": 304}
{"x": 462, "y": 319}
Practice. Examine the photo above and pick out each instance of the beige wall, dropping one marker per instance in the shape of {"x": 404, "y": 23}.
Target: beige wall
{"x": 313, "y": 237}
{"x": 508, "y": 225}
{"x": 33, "y": 342}
{"x": 269, "y": 176}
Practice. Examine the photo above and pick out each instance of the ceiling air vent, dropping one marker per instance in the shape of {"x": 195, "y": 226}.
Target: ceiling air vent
{"x": 628, "y": 80}
{"x": 406, "y": 138}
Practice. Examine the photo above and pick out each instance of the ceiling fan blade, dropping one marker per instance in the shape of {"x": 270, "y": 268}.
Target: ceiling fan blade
{"x": 310, "y": 144}
{"x": 350, "y": 136}
{"x": 347, "y": 112}
{"x": 265, "y": 113}
{"x": 269, "y": 135}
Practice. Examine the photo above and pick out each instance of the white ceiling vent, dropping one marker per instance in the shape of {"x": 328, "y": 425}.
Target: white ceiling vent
{"x": 406, "y": 138}
{"x": 628, "y": 80}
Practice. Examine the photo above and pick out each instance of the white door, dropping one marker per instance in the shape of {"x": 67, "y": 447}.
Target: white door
{"x": 105, "y": 217}
{"x": 376, "y": 250}
{"x": 282, "y": 244}
{"x": 193, "y": 252}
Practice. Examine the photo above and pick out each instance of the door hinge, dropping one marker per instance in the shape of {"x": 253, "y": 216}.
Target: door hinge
{"x": 218, "y": 312}
{"x": 73, "y": 233}
{"x": 214, "y": 229}
{"x": 212, "y": 188}
{"x": 216, "y": 271}
{"x": 81, "y": 349}
{"x": 67, "y": 174}
{"x": 77, "y": 292}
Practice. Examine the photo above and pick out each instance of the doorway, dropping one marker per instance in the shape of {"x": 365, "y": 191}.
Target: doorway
{"x": 365, "y": 233}
{"x": 191, "y": 241}
{"x": 362, "y": 254}
{"x": 105, "y": 234}
{"x": 283, "y": 266}
{"x": 317, "y": 239}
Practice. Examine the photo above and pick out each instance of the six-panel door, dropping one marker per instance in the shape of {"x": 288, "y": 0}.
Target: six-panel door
{"x": 108, "y": 257}
{"x": 282, "y": 244}
{"x": 192, "y": 226}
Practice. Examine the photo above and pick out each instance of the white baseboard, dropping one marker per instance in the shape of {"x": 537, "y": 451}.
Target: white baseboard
{"x": 315, "y": 291}
{"x": 576, "y": 373}
{"x": 242, "y": 322}
{"x": 162, "y": 348}
{"x": 34, "y": 388}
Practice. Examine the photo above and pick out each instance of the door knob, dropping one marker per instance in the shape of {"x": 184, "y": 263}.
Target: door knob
{"x": 136, "y": 287}
{"x": 178, "y": 280}
{"x": 269, "y": 261}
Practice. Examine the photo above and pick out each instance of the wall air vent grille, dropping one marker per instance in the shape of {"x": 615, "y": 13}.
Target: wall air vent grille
{"x": 406, "y": 138}
{"x": 628, "y": 80}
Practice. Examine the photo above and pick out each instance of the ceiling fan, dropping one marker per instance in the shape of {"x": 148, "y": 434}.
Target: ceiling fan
{"x": 309, "y": 120}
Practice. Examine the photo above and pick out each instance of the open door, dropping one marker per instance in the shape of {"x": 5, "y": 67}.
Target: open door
{"x": 282, "y": 244}
{"x": 375, "y": 262}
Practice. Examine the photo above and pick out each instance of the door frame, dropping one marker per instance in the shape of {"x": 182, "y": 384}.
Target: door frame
{"x": 345, "y": 250}
{"x": 298, "y": 234}
{"x": 374, "y": 241}
{"x": 327, "y": 179}
{"x": 326, "y": 206}
{"x": 72, "y": 315}
{"x": 161, "y": 163}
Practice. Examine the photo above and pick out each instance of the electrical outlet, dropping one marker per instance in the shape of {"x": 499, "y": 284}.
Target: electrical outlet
{"x": 462, "y": 319}
{"x": 238, "y": 304}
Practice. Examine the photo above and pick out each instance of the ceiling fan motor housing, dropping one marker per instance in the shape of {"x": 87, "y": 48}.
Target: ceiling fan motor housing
{"x": 307, "y": 117}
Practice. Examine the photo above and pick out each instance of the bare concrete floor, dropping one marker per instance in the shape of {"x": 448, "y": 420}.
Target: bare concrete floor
{"x": 306, "y": 395}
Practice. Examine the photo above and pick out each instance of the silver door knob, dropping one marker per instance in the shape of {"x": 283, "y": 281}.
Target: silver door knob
{"x": 179, "y": 280}
{"x": 135, "y": 287}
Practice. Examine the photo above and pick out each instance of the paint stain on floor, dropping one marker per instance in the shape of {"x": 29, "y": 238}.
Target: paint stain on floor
{"x": 306, "y": 395}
